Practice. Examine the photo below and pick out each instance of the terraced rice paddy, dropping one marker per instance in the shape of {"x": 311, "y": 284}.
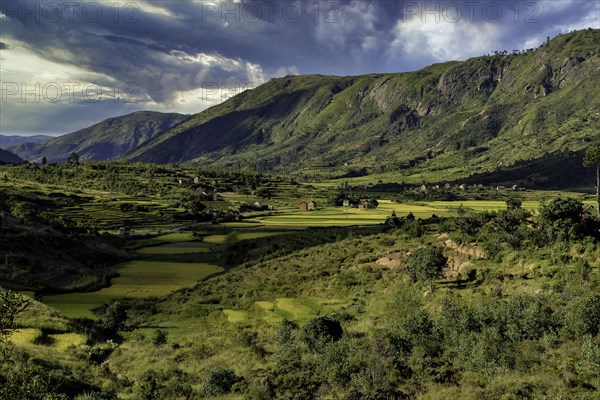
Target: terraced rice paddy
{"x": 158, "y": 276}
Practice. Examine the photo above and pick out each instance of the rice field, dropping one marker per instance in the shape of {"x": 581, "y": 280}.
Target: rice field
{"x": 220, "y": 239}
{"x": 338, "y": 216}
{"x": 175, "y": 248}
{"x": 139, "y": 278}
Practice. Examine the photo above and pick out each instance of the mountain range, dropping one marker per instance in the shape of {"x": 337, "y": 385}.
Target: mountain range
{"x": 105, "y": 140}
{"x": 11, "y": 140}
{"x": 520, "y": 112}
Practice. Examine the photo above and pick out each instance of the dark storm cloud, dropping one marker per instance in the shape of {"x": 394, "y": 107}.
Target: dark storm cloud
{"x": 167, "y": 47}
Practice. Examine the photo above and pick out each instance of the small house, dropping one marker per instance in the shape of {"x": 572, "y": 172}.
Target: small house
{"x": 197, "y": 180}
{"x": 303, "y": 206}
{"x": 346, "y": 203}
{"x": 424, "y": 188}
{"x": 499, "y": 188}
{"x": 515, "y": 187}
{"x": 462, "y": 187}
{"x": 312, "y": 206}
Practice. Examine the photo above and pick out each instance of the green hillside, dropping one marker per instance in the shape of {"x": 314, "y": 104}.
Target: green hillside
{"x": 105, "y": 140}
{"x": 466, "y": 118}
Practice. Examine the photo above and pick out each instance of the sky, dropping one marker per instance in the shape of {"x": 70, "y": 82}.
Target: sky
{"x": 65, "y": 65}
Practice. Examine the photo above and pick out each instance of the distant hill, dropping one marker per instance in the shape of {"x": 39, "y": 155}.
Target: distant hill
{"x": 103, "y": 141}
{"x": 11, "y": 140}
{"x": 458, "y": 118}
{"x": 6, "y": 157}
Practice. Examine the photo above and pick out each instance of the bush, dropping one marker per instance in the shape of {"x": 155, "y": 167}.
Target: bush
{"x": 562, "y": 220}
{"x": 160, "y": 338}
{"x": 583, "y": 315}
{"x": 426, "y": 264}
{"x": 218, "y": 381}
{"x": 320, "y": 331}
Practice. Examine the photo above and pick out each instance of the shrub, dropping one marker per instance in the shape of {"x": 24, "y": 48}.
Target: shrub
{"x": 426, "y": 264}
{"x": 160, "y": 338}
{"x": 218, "y": 381}
{"x": 320, "y": 331}
{"x": 583, "y": 315}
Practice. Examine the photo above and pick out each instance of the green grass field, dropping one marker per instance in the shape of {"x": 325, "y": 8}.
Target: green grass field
{"x": 174, "y": 248}
{"x": 137, "y": 278}
{"x": 57, "y": 341}
{"x": 338, "y": 216}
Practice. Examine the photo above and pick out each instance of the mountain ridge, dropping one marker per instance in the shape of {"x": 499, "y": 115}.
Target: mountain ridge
{"x": 448, "y": 121}
{"x": 12, "y": 140}
{"x": 477, "y": 115}
{"x": 105, "y": 140}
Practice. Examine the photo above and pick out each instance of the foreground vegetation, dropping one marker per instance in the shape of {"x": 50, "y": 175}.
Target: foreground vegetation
{"x": 471, "y": 299}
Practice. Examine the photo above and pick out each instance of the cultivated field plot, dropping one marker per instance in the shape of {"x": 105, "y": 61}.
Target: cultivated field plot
{"x": 175, "y": 248}
{"x": 338, "y": 216}
{"x": 159, "y": 276}
{"x": 138, "y": 278}
{"x": 239, "y": 236}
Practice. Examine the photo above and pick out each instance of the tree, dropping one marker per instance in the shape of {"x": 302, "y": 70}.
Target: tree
{"x": 470, "y": 225}
{"x": 11, "y": 305}
{"x": 592, "y": 159}
{"x": 192, "y": 202}
{"x": 112, "y": 318}
{"x": 514, "y": 203}
{"x": 44, "y": 161}
{"x": 562, "y": 219}
{"x": 426, "y": 264}
{"x": 218, "y": 381}
{"x": 320, "y": 331}
{"x": 73, "y": 159}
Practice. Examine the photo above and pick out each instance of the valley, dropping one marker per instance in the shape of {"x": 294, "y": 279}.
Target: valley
{"x": 237, "y": 287}
{"x": 425, "y": 235}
